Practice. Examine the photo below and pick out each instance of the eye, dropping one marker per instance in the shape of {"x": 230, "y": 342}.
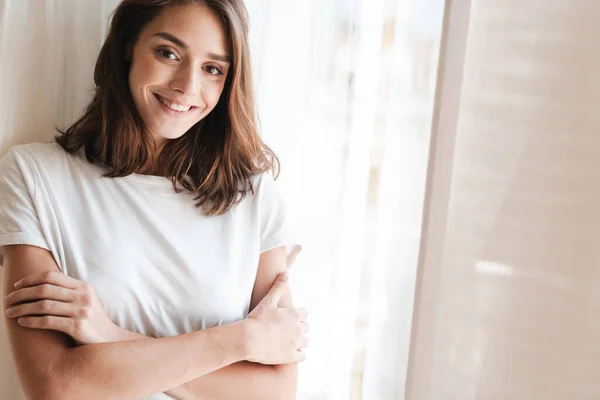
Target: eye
{"x": 166, "y": 54}
{"x": 213, "y": 70}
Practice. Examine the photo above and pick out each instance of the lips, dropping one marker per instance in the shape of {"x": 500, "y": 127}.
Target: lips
{"x": 180, "y": 108}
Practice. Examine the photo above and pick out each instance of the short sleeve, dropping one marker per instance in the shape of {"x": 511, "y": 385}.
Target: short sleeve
{"x": 276, "y": 228}
{"x": 19, "y": 223}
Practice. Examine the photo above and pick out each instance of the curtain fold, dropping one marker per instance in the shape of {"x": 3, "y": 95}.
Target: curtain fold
{"x": 48, "y": 53}
{"x": 355, "y": 149}
{"x": 509, "y": 296}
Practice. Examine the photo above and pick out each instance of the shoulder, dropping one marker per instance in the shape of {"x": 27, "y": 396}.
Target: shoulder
{"x": 267, "y": 195}
{"x": 266, "y": 191}
{"x": 264, "y": 194}
{"x": 26, "y": 163}
{"x": 37, "y": 152}
{"x": 264, "y": 184}
{"x": 34, "y": 156}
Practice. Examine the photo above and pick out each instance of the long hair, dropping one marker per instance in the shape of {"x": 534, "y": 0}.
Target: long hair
{"x": 215, "y": 159}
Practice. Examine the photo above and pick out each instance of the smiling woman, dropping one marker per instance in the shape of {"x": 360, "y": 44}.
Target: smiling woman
{"x": 144, "y": 252}
{"x": 174, "y": 98}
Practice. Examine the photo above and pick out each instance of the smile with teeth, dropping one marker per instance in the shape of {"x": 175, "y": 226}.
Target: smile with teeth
{"x": 173, "y": 106}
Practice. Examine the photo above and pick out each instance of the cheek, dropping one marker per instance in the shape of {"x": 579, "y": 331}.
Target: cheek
{"x": 145, "y": 71}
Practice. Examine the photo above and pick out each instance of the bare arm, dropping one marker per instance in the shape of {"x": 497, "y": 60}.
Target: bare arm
{"x": 131, "y": 369}
{"x": 245, "y": 380}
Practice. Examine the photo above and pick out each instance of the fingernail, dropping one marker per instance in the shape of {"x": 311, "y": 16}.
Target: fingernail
{"x": 9, "y": 311}
{"x": 283, "y": 276}
{"x": 20, "y": 321}
{"x": 17, "y": 284}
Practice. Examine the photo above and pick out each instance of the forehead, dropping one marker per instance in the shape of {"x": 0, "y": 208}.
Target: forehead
{"x": 196, "y": 25}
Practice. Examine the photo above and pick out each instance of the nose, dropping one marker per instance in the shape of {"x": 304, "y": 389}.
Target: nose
{"x": 186, "y": 81}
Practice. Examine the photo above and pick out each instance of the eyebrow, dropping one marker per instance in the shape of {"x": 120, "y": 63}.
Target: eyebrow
{"x": 180, "y": 43}
{"x": 167, "y": 36}
{"x": 219, "y": 57}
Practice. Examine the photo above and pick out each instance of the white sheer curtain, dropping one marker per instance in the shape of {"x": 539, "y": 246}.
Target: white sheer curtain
{"x": 345, "y": 91}
{"x": 509, "y": 297}
{"x": 48, "y": 53}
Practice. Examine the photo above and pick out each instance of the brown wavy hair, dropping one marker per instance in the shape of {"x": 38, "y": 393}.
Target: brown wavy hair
{"x": 217, "y": 158}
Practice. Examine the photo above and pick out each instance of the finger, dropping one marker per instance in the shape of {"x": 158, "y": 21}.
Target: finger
{"x": 303, "y": 342}
{"x": 304, "y": 327}
{"x": 44, "y": 307}
{"x": 277, "y": 290}
{"x": 51, "y": 277}
{"x": 61, "y": 324}
{"x": 301, "y": 313}
{"x": 44, "y": 291}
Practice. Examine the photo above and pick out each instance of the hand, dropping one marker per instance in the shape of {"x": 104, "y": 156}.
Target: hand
{"x": 52, "y": 300}
{"x": 277, "y": 333}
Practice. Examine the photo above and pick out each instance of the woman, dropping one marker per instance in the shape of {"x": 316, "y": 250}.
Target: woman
{"x": 144, "y": 251}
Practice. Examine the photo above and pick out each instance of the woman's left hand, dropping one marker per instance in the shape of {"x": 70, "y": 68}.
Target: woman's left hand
{"x": 52, "y": 300}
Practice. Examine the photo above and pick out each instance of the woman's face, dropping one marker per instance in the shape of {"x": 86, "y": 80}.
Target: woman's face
{"x": 178, "y": 70}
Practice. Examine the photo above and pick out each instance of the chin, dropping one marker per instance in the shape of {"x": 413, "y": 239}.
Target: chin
{"x": 174, "y": 136}
{"x": 170, "y": 133}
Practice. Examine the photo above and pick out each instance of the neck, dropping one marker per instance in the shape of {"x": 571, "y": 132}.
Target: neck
{"x": 152, "y": 166}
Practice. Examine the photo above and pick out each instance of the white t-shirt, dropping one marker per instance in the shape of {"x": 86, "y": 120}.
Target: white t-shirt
{"x": 158, "y": 265}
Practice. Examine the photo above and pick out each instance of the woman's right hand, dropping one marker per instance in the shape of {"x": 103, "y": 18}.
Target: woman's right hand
{"x": 277, "y": 333}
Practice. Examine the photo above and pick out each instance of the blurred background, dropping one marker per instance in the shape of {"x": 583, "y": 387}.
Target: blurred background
{"x": 440, "y": 159}
{"x": 346, "y": 94}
